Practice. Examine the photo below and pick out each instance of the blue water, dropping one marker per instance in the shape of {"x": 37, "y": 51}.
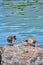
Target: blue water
{"x": 25, "y": 22}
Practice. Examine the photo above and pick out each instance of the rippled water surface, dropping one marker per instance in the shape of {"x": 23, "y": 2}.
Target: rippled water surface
{"x": 23, "y": 19}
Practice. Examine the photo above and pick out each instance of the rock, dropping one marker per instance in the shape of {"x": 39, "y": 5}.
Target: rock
{"x": 22, "y": 55}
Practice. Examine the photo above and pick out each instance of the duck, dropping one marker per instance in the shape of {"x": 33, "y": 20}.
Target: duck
{"x": 11, "y": 39}
{"x": 30, "y": 41}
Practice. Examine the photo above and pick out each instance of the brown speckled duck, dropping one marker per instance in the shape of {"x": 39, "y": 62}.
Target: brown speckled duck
{"x": 30, "y": 41}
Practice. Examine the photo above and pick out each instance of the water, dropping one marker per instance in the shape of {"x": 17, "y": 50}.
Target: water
{"x": 24, "y": 21}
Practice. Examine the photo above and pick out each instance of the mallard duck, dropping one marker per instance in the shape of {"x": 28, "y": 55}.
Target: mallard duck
{"x": 11, "y": 39}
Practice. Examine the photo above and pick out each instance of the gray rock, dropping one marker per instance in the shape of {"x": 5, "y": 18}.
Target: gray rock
{"x": 19, "y": 55}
